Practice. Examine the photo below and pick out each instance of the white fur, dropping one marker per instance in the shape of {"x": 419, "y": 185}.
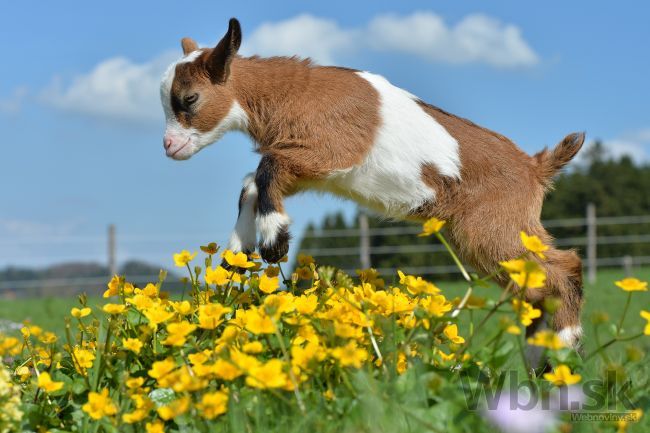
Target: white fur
{"x": 269, "y": 226}
{"x": 236, "y": 119}
{"x": 390, "y": 178}
{"x": 244, "y": 237}
{"x": 570, "y": 335}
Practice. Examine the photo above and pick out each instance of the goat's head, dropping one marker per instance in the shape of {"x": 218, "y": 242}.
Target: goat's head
{"x": 197, "y": 97}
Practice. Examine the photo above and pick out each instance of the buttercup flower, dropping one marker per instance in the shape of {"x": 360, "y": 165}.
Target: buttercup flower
{"x": 46, "y": 383}
{"x": 219, "y": 276}
{"x": 632, "y": 285}
{"x": 239, "y": 260}
{"x": 99, "y": 405}
{"x": 527, "y": 275}
{"x": 269, "y": 285}
{"x": 210, "y": 315}
{"x": 268, "y": 375}
{"x": 431, "y": 226}
{"x": 80, "y": 312}
{"x": 546, "y": 338}
{"x": 213, "y": 404}
{"x": 525, "y": 312}
{"x": 114, "y": 308}
{"x": 350, "y": 355}
{"x": 132, "y": 344}
{"x": 534, "y": 244}
{"x": 646, "y": 315}
{"x": 183, "y": 258}
{"x": 451, "y": 332}
{"x": 562, "y": 376}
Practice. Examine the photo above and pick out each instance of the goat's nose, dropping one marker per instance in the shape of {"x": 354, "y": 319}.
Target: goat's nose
{"x": 167, "y": 142}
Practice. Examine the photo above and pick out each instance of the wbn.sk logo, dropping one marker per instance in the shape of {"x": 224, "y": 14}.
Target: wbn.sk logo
{"x": 488, "y": 393}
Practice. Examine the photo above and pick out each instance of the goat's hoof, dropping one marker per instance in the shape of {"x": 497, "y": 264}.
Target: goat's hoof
{"x": 274, "y": 252}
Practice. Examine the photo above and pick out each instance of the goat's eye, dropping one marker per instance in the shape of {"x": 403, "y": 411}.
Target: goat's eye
{"x": 191, "y": 99}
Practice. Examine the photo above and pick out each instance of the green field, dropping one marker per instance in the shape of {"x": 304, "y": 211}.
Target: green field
{"x": 603, "y": 296}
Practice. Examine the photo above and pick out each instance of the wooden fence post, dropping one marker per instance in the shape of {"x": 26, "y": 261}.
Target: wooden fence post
{"x": 364, "y": 241}
{"x": 112, "y": 263}
{"x": 592, "y": 243}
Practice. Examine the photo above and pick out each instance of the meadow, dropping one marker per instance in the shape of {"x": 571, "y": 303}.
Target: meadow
{"x": 248, "y": 347}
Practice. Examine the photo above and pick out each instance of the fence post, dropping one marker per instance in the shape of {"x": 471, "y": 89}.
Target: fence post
{"x": 112, "y": 263}
{"x": 364, "y": 241}
{"x": 628, "y": 265}
{"x": 592, "y": 243}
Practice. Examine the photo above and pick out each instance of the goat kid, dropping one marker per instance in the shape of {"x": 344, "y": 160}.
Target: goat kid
{"x": 354, "y": 134}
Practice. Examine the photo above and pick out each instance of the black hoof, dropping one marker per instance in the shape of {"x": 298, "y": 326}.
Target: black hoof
{"x": 275, "y": 252}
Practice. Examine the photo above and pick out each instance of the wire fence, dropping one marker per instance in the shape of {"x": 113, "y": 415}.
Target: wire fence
{"x": 361, "y": 253}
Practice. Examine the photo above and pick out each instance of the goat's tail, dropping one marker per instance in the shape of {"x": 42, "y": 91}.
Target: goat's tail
{"x": 552, "y": 161}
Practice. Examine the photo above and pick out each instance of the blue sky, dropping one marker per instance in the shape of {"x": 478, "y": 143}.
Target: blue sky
{"x": 82, "y": 127}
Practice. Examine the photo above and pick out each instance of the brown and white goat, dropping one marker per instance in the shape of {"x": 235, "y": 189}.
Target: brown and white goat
{"x": 356, "y": 135}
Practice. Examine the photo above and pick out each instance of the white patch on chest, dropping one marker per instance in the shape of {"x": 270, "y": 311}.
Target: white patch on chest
{"x": 390, "y": 178}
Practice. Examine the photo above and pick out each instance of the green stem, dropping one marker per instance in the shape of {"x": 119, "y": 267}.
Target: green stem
{"x": 442, "y": 239}
{"x": 627, "y": 305}
{"x": 610, "y": 342}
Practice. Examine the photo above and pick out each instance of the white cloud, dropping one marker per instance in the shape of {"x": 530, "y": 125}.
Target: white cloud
{"x": 305, "y": 35}
{"x": 121, "y": 90}
{"x": 475, "y": 39}
{"x": 635, "y": 144}
{"x": 14, "y": 102}
{"x": 116, "y": 89}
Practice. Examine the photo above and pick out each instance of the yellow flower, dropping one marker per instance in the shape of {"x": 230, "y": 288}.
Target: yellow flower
{"x": 258, "y": 322}
{"x": 48, "y": 338}
{"x": 546, "y": 338}
{"x": 155, "y": 427}
{"x": 632, "y": 285}
{"x": 514, "y": 330}
{"x": 239, "y": 260}
{"x": 157, "y": 315}
{"x": 83, "y": 359}
{"x": 134, "y": 382}
{"x": 210, "y": 315}
{"x": 99, "y": 405}
{"x": 183, "y": 258}
{"x": 303, "y": 357}
{"x": 174, "y": 409}
{"x": 416, "y": 285}
{"x": 267, "y": 375}
{"x": 253, "y": 347}
{"x": 527, "y": 274}
{"x": 269, "y": 285}
{"x": 306, "y": 304}
{"x": 160, "y": 369}
{"x": 646, "y": 315}
{"x": 533, "y": 244}
{"x": 525, "y": 312}
{"x": 219, "y": 276}
{"x": 114, "y": 308}
{"x": 80, "y": 312}
{"x": 46, "y": 383}
{"x": 140, "y": 301}
{"x": 305, "y": 260}
{"x": 451, "y": 332}
{"x": 23, "y": 372}
{"x": 562, "y": 376}
{"x": 226, "y": 370}
{"x": 178, "y": 333}
{"x": 213, "y": 404}
{"x": 350, "y": 355}
{"x": 114, "y": 286}
{"x": 132, "y": 344}
{"x": 431, "y": 226}
{"x": 183, "y": 307}
{"x": 436, "y": 305}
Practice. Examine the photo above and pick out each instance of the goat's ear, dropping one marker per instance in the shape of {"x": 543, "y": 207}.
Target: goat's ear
{"x": 189, "y": 45}
{"x": 218, "y": 64}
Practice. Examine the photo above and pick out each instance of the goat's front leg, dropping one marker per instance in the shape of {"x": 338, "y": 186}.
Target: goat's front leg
{"x": 272, "y": 181}
{"x": 244, "y": 237}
